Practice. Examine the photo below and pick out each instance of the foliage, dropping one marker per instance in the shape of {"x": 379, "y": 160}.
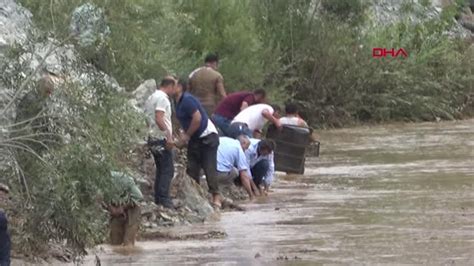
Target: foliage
{"x": 150, "y": 38}
{"x": 56, "y": 192}
{"x": 225, "y": 27}
{"x": 330, "y": 70}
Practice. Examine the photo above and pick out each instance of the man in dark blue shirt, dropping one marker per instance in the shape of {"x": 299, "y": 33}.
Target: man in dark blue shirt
{"x": 202, "y": 139}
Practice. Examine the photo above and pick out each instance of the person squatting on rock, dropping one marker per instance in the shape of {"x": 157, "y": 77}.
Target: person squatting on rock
{"x": 232, "y": 163}
{"x": 231, "y": 105}
{"x": 124, "y": 209}
{"x": 160, "y": 138}
{"x": 200, "y": 136}
{"x": 252, "y": 119}
{"x": 207, "y": 84}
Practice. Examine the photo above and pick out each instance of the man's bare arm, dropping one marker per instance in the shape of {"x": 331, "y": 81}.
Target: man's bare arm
{"x": 271, "y": 118}
{"x": 255, "y": 188}
{"x": 245, "y": 179}
{"x": 195, "y": 123}
{"x": 160, "y": 122}
{"x": 244, "y": 105}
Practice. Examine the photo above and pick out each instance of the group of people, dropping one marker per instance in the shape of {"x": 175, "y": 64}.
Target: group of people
{"x": 222, "y": 133}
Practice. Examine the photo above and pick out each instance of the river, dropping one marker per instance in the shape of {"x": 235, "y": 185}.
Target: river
{"x": 397, "y": 194}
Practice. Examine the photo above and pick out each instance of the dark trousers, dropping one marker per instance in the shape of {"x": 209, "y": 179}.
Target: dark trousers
{"x": 164, "y": 171}
{"x": 259, "y": 170}
{"x": 202, "y": 154}
{"x": 4, "y": 241}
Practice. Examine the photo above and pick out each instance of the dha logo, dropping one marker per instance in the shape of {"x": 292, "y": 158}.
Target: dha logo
{"x": 383, "y": 52}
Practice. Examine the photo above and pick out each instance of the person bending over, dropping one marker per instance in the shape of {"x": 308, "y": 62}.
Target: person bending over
{"x": 252, "y": 119}
{"x": 232, "y": 162}
{"x": 262, "y": 166}
{"x": 200, "y": 136}
{"x": 124, "y": 210}
{"x": 231, "y": 105}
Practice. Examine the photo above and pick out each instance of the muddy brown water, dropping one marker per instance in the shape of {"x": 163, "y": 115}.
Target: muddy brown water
{"x": 392, "y": 194}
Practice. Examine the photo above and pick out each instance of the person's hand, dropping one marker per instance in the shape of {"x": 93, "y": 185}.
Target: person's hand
{"x": 257, "y": 134}
{"x": 169, "y": 145}
{"x": 182, "y": 140}
{"x": 185, "y": 138}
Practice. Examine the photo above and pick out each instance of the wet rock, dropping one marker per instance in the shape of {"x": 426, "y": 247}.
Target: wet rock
{"x": 166, "y": 217}
{"x": 282, "y": 258}
{"x": 229, "y": 204}
{"x": 192, "y": 194}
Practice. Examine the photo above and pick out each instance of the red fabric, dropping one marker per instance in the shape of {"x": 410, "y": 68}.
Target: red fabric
{"x": 230, "y": 106}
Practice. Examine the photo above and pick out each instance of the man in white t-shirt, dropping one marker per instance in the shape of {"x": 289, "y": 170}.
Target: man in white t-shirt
{"x": 160, "y": 140}
{"x": 252, "y": 119}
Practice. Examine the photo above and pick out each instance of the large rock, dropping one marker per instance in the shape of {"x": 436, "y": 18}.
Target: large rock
{"x": 47, "y": 61}
{"x": 14, "y": 24}
{"x": 141, "y": 93}
{"x": 89, "y": 27}
{"x": 386, "y": 12}
{"x": 191, "y": 194}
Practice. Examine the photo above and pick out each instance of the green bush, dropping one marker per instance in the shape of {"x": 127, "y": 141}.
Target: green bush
{"x": 55, "y": 192}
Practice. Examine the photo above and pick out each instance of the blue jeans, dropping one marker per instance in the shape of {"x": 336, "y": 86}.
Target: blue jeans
{"x": 236, "y": 129}
{"x": 223, "y": 123}
{"x": 164, "y": 171}
{"x": 259, "y": 170}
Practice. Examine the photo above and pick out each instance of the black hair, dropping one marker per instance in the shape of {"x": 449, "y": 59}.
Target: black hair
{"x": 276, "y": 108}
{"x": 260, "y": 92}
{"x": 211, "y": 58}
{"x": 183, "y": 82}
{"x": 266, "y": 144}
{"x": 167, "y": 82}
{"x": 291, "y": 108}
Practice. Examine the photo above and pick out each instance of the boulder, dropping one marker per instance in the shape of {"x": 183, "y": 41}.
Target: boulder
{"x": 15, "y": 22}
{"x": 141, "y": 93}
{"x": 88, "y": 26}
{"x": 386, "y": 12}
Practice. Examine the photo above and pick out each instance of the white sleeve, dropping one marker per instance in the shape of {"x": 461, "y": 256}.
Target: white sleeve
{"x": 271, "y": 170}
{"x": 161, "y": 104}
